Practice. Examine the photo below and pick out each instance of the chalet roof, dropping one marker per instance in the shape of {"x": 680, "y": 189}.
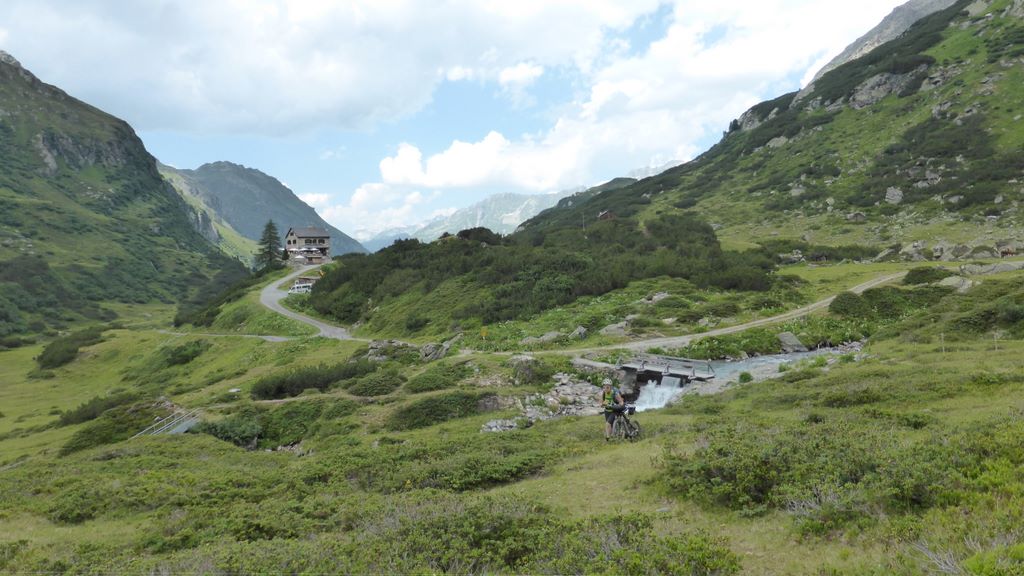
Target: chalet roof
{"x": 310, "y": 232}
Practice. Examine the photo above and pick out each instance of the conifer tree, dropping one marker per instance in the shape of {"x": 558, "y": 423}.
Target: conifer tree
{"x": 270, "y": 248}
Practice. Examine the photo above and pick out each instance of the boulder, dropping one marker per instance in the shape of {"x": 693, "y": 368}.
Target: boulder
{"x": 545, "y": 339}
{"x": 580, "y": 333}
{"x": 500, "y": 425}
{"x": 618, "y": 329}
{"x": 893, "y": 195}
{"x": 790, "y": 343}
{"x": 523, "y": 368}
{"x": 958, "y": 283}
{"x": 984, "y": 269}
{"x": 856, "y": 217}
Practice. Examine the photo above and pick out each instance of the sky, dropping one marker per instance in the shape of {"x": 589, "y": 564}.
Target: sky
{"x": 386, "y": 113}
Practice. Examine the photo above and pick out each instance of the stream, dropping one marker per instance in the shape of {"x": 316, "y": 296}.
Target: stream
{"x": 653, "y": 396}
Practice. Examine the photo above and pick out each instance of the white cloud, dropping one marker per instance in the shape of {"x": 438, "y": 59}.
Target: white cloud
{"x": 282, "y": 66}
{"x": 522, "y": 74}
{"x": 377, "y": 207}
{"x": 654, "y": 107}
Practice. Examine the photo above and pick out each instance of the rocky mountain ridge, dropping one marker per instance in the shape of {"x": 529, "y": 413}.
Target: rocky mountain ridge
{"x": 245, "y": 198}
{"x": 915, "y": 146}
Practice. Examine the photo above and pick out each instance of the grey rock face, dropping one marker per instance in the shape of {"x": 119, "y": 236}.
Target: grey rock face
{"x": 888, "y": 29}
{"x": 790, "y": 343}
{"x": 545, "y": 339}
{"x": 8, "y": 59}
{"x": 958, "y": 283}
{"x": 618, "y": 329}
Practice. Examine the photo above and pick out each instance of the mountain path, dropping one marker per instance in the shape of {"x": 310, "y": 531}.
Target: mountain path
{"x": 683, "y": 340}
{"x": 271, "y": 296}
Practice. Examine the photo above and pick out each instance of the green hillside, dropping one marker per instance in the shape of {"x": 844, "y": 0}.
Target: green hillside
{"x": 920, "y": 140}
{"x": 84, "y": 216}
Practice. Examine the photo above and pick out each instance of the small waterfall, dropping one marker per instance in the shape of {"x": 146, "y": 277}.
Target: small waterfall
{"x": 654, "y": 395}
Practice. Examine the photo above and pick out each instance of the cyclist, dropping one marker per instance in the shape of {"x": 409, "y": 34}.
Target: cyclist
{"x": 612, "y": 402}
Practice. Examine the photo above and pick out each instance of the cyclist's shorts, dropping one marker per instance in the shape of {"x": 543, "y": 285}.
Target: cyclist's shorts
{"x": 609, "y": 416}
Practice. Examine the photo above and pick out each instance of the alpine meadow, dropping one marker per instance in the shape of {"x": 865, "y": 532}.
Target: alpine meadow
{"x": 800, "y": 351}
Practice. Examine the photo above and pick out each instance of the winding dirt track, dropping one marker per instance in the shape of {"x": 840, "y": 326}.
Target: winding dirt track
{"x": 679, "y": 341}
{"x": 271, "y": 297}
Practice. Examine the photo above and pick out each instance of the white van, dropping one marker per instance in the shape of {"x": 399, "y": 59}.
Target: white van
{"x": 300, "y": 289}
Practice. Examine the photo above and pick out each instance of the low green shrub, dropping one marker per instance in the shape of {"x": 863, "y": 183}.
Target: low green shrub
{"x": 745, "y": 377}
{"x": 63, "y": 350}
{"x": 925, "y": 275}
{"x": 850, "y": 305}
{"x": 114, "y": 425}
{"x": 438, "y": 377}
{"x": 434, "y": 410}
{"x": 377, "y": 383}
{"x": 94, "y": 407}
{"x": 185, "y": 353}
{"x": 321, "y": 377}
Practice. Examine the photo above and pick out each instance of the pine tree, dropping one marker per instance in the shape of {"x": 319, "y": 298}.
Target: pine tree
{"x": 270, "y": 248}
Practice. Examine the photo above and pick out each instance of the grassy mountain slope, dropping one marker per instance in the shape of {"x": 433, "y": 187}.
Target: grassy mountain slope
{"x": 879, "y": 463}
{"x": 84, "y": 215}
{"x": 920, "y": 140}
{"x": 478, "y": 278}
{"x": 246, "y": 198}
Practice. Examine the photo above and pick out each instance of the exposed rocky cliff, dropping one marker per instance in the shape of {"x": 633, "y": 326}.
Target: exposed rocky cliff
{"x": 246, "y": 199}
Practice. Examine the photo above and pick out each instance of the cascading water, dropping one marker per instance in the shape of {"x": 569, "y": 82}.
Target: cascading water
{"x": 654, "y": 395}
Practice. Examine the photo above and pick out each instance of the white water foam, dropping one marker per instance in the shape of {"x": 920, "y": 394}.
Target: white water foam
{"x": 653, "y": 395}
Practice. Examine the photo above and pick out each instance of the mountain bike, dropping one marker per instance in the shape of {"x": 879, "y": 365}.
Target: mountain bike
{"x": 624, "y": 428}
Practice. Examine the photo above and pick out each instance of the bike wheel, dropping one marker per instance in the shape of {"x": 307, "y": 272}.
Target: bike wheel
{"x": 635, "y": 432}
{"x": 618, "y": 430}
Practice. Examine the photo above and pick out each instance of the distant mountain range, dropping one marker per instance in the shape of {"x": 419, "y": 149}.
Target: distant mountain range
{"x": 501, "y": 213}
{"x": 245, "y": 199}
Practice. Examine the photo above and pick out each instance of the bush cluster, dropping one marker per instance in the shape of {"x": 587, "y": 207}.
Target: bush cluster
{"x": 438, "y": 377}
{"x": 64, "y": 349}
{"x": 434, "y": 410}
{"x": 94, "y": 408}
{"x": 850, "y": 467}
{"x": 114, "y": 425}
{"x": 320, "y": 377}
{"x": 377, "y": 383}
{"x": 526, "y": 274}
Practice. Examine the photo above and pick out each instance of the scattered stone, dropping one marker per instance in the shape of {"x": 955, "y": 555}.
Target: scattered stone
{"x": 985, "y": 269}
{"x": 545, "y": 339}
{"x": 655, "y": 298}
{"x": 501, "y": 425}
{"x": 580, "y": 333}
{"x": 958, "y": 283}
{"x": 893, "y": 195}
{"x": 618, "y": 329}
{"x": 431, "y": 352}
{"x": 884, "y": 255}
{"x": 669, "y": 321}
{"x": 790, "y": 343}
{"x": 523, "y": 368}
{"x": 856, "y": 217}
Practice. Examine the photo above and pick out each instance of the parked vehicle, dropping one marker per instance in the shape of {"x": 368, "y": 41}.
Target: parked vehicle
{"x": 300, "y": 289}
